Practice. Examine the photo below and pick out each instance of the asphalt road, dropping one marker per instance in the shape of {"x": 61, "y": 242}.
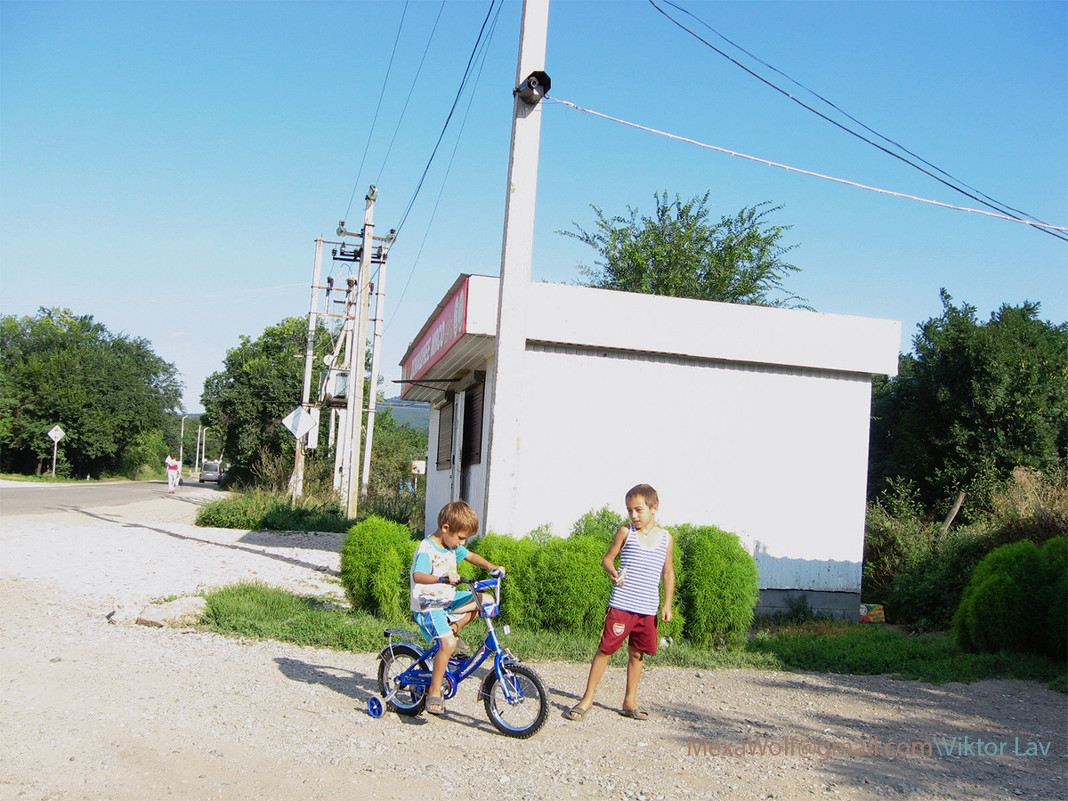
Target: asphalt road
{"x": 31, "y": 498}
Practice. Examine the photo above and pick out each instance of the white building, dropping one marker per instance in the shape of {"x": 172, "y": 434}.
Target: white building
{"x": 750, "y": 418}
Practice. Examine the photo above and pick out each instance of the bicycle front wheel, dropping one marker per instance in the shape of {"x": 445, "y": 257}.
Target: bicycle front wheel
{"x": 517, "y": 705}
{"x": 405, "y": 699}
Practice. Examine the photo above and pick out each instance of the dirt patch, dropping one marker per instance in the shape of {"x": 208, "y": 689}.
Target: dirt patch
{"x": 92, "y": 710}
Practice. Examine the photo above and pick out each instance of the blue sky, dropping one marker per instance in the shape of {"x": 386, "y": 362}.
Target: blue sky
{"x": 166, "y": 167}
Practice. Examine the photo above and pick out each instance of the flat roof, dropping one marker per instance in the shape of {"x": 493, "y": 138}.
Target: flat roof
{"x": 459, "y": 334}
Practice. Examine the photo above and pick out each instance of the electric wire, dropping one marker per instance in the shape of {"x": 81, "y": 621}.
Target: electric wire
{"x": 448, "y": 168}
{"x": 448, "y": 118}
{"x": 408, "y": 99}
{"x": 374, "y": 121}
{"x": 1052, "y": 229}
{"x": 1001, "y": 208}
{"x": 844, "y": 112}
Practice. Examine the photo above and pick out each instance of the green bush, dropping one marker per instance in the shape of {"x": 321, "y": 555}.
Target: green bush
{"x": 1004, "y": 606}
{"x": 720, "y": 587}
{"x": 259, "y": 510}
{"x": 241, "y": 510}
{"x": 1055, "y": 563}
{"x": 601, "y": 525}
{"x": 895, "y": 537}
{"x": 376, "y": 560}
{"x": 559, "y": 585}
{"x": 928, "y": 591}
{"x": 519, "y": 598}
{"x": 572, "y": 586}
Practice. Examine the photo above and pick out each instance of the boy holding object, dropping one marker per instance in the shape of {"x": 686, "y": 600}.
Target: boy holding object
{"x": 439, "y": 610}
{"x": 646, "y": 553}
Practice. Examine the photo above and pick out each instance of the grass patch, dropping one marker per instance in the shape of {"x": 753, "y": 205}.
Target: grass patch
{"x": 258, "y": 611}
{"x": 866, "y": 650}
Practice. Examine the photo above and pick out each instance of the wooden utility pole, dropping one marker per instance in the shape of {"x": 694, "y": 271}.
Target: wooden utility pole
{"x": 505, "y": 438}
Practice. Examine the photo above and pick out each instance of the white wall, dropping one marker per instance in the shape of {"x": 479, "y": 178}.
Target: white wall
{"x": 778, "y": 456}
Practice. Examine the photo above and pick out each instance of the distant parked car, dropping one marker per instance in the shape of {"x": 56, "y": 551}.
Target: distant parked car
{"x": 211, "y": 471}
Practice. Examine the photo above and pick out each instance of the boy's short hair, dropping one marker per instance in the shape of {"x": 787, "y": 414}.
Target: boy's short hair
{"x": 459, "y": 517}
{"x": 647, "y": 493}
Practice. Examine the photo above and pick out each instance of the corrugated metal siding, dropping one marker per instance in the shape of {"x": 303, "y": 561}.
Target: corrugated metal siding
{"x": 649, "y": 357}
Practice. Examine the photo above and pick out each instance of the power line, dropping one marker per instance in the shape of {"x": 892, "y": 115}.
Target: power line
{"x": 448, "y": 168}
{"x": 408, "y": 99}
{"x": 1051, "y": 229}
{"x": 1003, "y": 209}
{"x": 374, "y": 121}
{"x": 448, "y": 118}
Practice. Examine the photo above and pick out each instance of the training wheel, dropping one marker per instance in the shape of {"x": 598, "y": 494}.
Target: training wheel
{"x": 374, "y": 707}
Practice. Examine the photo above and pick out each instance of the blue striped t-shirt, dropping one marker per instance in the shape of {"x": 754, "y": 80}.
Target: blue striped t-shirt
{"x": 640, "y": 592}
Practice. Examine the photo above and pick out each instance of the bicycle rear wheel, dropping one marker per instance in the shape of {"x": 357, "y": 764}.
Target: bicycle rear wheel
{"x": 518, "y": 705}
{"x": 392, "y": 662}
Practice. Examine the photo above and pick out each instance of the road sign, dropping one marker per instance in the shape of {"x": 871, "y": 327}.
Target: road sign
{"x": 56, "y": 433}
{"x": 300, "y": 421}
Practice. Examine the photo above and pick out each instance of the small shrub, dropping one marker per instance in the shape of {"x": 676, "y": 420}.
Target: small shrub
{"x": 241, "y": 510}
{"x": 376, "y": 558}
{"x": 895, "y": 536}
{"x": 1031, "y": 506}
{"x": 519, "y": 599}
{"x": 1004, "y": 605}
{"x": 1055, "y": 563}
{"x": 601, "y": 525}
{"x": 930, "y": 587}
{"x": 405, "y": 508}
{"x": 720, "y": 590}
{"x": 572, "y": 587}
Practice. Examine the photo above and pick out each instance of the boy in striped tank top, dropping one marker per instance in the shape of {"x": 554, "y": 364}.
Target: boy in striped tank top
{"x": 646, "y": 553}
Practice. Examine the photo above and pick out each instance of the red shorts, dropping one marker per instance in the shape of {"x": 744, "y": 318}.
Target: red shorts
{"x": 619, "y": 624}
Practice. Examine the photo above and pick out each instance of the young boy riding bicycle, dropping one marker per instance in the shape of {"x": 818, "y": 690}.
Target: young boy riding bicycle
{"x": 438, "y": 608}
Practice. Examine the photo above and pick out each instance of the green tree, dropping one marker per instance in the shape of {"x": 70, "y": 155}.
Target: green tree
{"x": 973, "y": 402}
{"x": 260, "y": 383}
{"x": 111, "y": 394}
{"x": 680, "y": 251}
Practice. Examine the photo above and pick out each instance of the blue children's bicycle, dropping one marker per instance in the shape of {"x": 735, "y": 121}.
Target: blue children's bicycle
{"x": 513, "y": 693}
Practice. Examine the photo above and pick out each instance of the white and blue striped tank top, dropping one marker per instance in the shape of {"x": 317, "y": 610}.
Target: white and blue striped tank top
{"x": 640, "y": 592}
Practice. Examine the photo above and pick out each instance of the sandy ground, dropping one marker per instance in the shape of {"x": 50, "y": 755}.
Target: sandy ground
{"x": 94, "y": 710}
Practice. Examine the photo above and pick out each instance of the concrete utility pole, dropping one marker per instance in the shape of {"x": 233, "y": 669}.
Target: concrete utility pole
{"x": 505, "y": 440}
{"x": 376, "y": 348}
{"x": 296, "y": 482}
{"x": 355, "y": 389}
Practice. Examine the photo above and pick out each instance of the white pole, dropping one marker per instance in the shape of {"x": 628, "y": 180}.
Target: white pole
{"x": 356, "y": 387}
{"x": 505, "y": 440}
{"x": 341, "y": 453}
{"x": 55, "y": 444}
{"x": 376, "y": 348}
{"x": 296, "y": 481}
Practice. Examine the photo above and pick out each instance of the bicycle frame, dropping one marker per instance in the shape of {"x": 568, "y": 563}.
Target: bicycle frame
{"x": 419, "y": 674}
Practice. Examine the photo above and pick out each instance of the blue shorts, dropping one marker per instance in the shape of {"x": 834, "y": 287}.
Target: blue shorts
{"x": 435, "y": 622}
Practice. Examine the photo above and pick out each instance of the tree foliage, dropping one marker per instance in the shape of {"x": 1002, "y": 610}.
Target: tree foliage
{"x": 110, "y": 393}
{"x": 680, "y": 251}
{"x": 973, "y": 402}
{"x": 260, "y": 383}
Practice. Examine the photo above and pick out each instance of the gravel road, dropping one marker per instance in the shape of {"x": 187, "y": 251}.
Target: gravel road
{"x": 96, "y": 710}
